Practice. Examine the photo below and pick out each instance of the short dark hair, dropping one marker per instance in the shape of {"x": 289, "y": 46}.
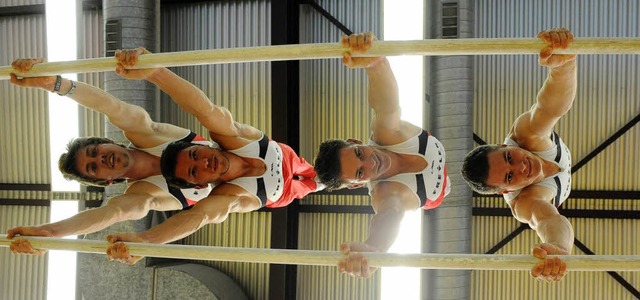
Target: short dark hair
{"x": 475, "y": 169}
{"x": 169, "y": 161}
{"x": 67, "y": 161}
{"x": 327, "y": 164}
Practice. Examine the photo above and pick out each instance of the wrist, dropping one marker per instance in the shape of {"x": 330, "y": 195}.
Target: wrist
{"x": 566, "y": 66}
{"x": 46, "y": 230}
{"x": 141, "y": 237}
{"x": 158, "y": 75}
{"x": 57, "y": 85}
{"x": 49, "y": 84}
{"x": 67, "y": 88}
{"x": 378, "y": 66}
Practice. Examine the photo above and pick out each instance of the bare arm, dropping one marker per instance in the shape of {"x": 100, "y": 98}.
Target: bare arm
{"x": 554, "y": 99}
{"x": 123, "y": 115}
{"x": 224, "y": 199}
{"x": 383, "y": 97}
{"x": 217, "y": 119}
{"x": 384, "y": 227}
{"x": 132, "y": 205}
{"x": 383, "y": 93}
{"x": 533, "y": 207}
{"x": 383, "y": 231}
{"x": 558, "y": 92}
{"x": 133, "y": 120}
{"x": 211, "y": 210}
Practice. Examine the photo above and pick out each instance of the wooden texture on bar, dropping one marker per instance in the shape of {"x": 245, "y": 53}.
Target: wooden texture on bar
{"x": 335, "y": 50}
{"x": 331, "y": 258}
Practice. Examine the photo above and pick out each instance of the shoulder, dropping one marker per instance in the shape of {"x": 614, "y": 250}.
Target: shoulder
{"x": 528, "y": 137}
{"x": 244, "y": 135}
{"x": 385, "y": 136}
{"x": 238, "y": 199}
{"x": 159, "y": 133}
{"x": 389, "y": 193}
{"x": 229, "y": 189}
{"x": 530, "y": 195}
{"x": 170, "y": 131}
{"x": 144, "y": 187}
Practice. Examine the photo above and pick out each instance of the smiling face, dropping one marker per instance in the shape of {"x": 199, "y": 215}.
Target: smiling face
{"x": 360, "y": 164}
{"x": 201, "y": 165}
{"x": 512, "y": 168}
{"x": 103, "y": 161}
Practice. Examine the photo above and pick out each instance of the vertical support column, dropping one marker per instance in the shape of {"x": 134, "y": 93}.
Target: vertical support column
{"x": 447, "y": 229}
{"x": 129, "y": 24}
{"x": 285, "y": 120}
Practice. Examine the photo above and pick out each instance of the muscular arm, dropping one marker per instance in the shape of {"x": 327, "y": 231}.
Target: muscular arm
{"x": 192, "y": 100}
{"x": 383, "y": 96}
{"x": 217, "y": 119}
{"x": 121, "y": 114}
{"x": 554, "y": 99}
{"x": 133, "y": 120}
{"x": 385, "y": 224}
{"x": 213, "y": 209}
{"x": 383, "y": 232}
{"x": 384, "y": 228}
{"x": 533, "y": 207}
{"x": 557, "y": 94}
{"x": 134, "y": 204}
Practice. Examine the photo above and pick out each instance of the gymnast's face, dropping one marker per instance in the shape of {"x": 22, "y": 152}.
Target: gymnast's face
{"x": 360, "y": 164}
{"x": 513, "y": 168}
{"x": 106, "y": 161}
{"x": 201, "y": 165}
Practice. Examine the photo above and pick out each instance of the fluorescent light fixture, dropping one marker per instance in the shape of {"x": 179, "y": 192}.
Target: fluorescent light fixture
{"x": 404, "y": 21}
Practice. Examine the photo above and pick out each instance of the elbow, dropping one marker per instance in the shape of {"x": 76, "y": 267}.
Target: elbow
{"x": 384, "y": 229}
{"x": 551, "y": 221}
{"x": 216, "y": 218}
{"x": 209, "y": 217}
{"x": 212, "y": 219}
{"x": 214, "y": 117}
{"x": 556, "y": 230}
{"x": 125, "y": 209}
{"x": 117, "y": 213}
{"x": 381, "y": 248}
{"x": 570, "y": 105}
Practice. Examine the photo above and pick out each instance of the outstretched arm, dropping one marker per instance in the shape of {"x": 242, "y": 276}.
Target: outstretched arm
{"x": 133, "y": 120}
{"x": 383, "y": 231}
{"x": 383, "y": 88}
{"x": 383, "y": 95}
{"x": 132, "y": 205}
{"x": 556, "y": 96}
{"x": 217, "y": 119}
{"x": 554, "y": 230}
{"x": 211, "y": 210}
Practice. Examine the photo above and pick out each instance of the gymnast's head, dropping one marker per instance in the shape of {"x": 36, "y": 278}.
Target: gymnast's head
{"x": 189, "y": 165}
{"x": 95, "y": 161}
{"x": 350, "y": 164}
{"x": 499, "y": 169}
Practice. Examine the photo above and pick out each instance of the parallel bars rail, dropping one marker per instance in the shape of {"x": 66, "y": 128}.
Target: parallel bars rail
{"x": 335, "y": 50}
{"x": 331, "y": 258}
